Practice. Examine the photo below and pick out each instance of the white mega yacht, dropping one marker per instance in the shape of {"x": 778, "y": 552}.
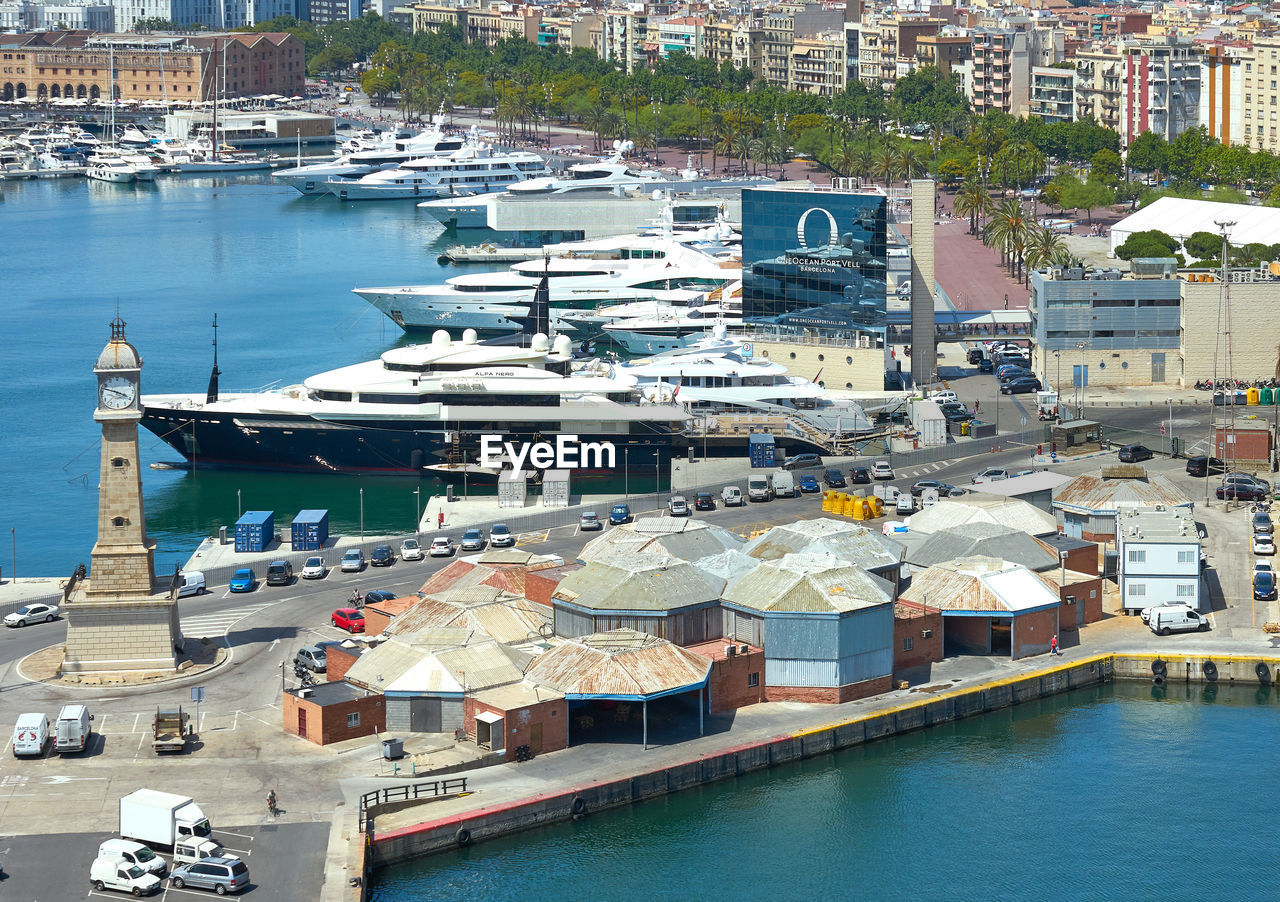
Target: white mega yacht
{"x": 360, "y": 159}
{"x": 418, "y": 409}
{"x": 476, "y": 168}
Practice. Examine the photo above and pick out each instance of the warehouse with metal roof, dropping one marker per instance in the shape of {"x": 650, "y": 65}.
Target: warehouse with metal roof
{"x": 976, "y": 540}
{"x": 979, "y": 507}
{"x": 1086, "y": 507}
{"x": 867, "y": 548}
{"x": 681, "y": 537}
{"x": 989, "y": 606}
{"x": 826, "y": 627}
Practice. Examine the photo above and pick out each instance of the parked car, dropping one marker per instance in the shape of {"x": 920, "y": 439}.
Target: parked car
{"x": 944, "y": 396}
{"x": 834, "y": 479}
{"x": 32, "y": 613}
{"x": 1264, "y": 543}
{"x": 678, "y": 506}
{"x": 1132, "y": 454}
{"x": 703, "y": 501}
{"x": 620, "y": 513}
{"x": 1203, "y": 466}
{"x": 731, "y": 496}
{"x": 134, "y": 853}
{"x": 441, "y": 546}
{"x": 859, "y": 476}
{"x": 991, "y": 474}
{"x": 802, "y": 462}
{"x": 1264, "y": 585}
{"x": 349, "y": 619}
{"x": 975, "y": 356}
{"x": 279, "y": 573}
{"x": 1004, "y": 370}
{"x": 590, "y": 521}
{"x": 1021, "y": 386}
{"x": 1175, "y": 618}
{"x": 410, "y": 550}
{"x": 115, "y": 873}
{"x": 243, "y": 580}
{"x": 809, "y": 483}
{"x": 352, "y": 561}
{"x": 382, "y": 556}
{"x": 1261, "y": 523}
{"x": 943, "y": 489}
{"x": 472, "y": 540}
{"x": 314, "y": 568}
{"x": 222, "y": 875}
{"x": 500, "y": 536}
{"x": 312, "y": 658}
{"x": 882, "y": 470}
{"x": 1242, "y": 487}
{"x": 377, "y": 596}
{"x": 985, "y": 366}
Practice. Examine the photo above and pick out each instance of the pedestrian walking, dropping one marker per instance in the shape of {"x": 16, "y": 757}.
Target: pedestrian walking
{"x": 271, "y": 803}
{"x": 1053, "y": 646}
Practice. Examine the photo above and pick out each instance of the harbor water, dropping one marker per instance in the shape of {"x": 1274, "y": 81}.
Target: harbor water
{"x": 277, "y": 269}
{"x": 1125, "y": 791}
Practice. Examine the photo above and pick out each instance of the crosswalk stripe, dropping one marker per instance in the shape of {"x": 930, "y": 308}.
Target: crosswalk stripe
{"x": 209, "y": 624}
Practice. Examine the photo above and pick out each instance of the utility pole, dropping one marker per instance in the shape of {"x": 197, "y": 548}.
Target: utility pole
{"x": 1224, "y": 342}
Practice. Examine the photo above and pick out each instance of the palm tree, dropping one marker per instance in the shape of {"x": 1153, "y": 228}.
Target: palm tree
{"x": 1010, "y": 228}
{"x": 972, "y": 201}
{"x": 888, "y": 164}
{"x": 910, "y": 166}
{"x": 725, "y": 146}
{"x": 1044, "y": 248}
{"x": 845, "y": 161}
{"x": 865, "y": 163}
{"x": 743, "y": 147}
{"x": 594, "y": 120}
{"x": 833, "y": 127}
{"x": 769, "y": 150}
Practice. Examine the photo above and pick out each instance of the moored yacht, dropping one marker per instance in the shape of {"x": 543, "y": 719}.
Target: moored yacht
{"x": 416, "y": 410}
{"x": 361, "y": 159}
{"x": 112, "y": 169}
{"x": 474, "y": 169}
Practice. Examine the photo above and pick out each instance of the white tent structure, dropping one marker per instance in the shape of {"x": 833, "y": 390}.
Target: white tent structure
{"x": 1180, "y": 219}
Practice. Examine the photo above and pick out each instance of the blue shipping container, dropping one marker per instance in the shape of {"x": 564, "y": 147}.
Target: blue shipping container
{"x": 310, "y": 530}
{"x": 254, "y": 531}
{"x": 761, "y": 450}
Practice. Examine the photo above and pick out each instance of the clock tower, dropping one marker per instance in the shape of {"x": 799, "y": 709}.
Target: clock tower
{"x": 117, "y": 620}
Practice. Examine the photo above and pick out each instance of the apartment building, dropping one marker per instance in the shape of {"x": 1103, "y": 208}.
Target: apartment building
{"x": 1001, "y": 71}
{"x": 1053, "y": 94}
{"x": 626, "y": 36}
{"x": 945, "y": 52}
{"x": 1095, "y": 23}
{"x": 1259, "y": 106}
{"x": 817, "y": 64}
{"x": 1222, "y": 92}
{"x": 683, "y": 34}
{"x": 24, "y": 15}
{"x": 868, "y": 66}
{"x": 1099, "y": 77}
{"x": 1161, "y": 88}
{"x": 898, "y": 41}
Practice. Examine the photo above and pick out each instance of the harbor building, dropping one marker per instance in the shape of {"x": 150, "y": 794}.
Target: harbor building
{"x": 282, "y": 129}
{"x": 1159, "y": 558}
{"x": 1089, "y": 507}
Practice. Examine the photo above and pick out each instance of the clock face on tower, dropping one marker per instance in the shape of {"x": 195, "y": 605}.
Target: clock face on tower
{"x": 117, "y": 393}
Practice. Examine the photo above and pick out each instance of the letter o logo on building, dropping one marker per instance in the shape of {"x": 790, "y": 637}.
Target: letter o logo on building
{"x": 833, "y": 230}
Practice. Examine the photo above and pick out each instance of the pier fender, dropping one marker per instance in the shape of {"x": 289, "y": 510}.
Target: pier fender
{"x": 1210, "y": 670}
{"x": 1159, "y": 669}
{"x": 463, "y": 836}
{"x": 1263, "y": 672}
{"x": 579, "y": 808}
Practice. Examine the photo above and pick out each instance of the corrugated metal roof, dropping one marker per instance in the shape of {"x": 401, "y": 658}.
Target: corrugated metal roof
{"x": 495, "y": 613}
{"x": 979, "y": 507}
{"x": 619, "y": 664}
{"x": 517, "y": 695}
{"x": 982, "y": 540}
{"x": 638, "y": 582}
{"x": 808, "y": 583}
{"x": 1096, "y": 495}
{"x": 403, "y": 666}
{"x": 981, "y": 585}
{"x": 727, "y": 565}
{"x": 447, "y": 576}
{"x": 1025, "y": 485}
{"x": 683, "y": 537}
{"x": 855, "y": 544}
{"x": 481, "y": 666}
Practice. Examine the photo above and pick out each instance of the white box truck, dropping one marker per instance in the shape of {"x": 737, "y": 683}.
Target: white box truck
{"x": 161, "y": 818}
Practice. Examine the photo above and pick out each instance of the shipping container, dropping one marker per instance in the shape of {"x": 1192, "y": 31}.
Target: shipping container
{"x": 761, "y": 450}
{"x": 254, "y": 531}
{"x": 310, "y": 530}
{"x": 929, "y": 423}
{"x": 555, "y": 488}
{"x": 511, "y": 489}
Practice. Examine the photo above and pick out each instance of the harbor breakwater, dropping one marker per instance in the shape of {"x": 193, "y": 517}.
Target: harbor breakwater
{"x": 929, "y": 709}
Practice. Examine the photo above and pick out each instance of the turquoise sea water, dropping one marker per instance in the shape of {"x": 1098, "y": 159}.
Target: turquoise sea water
{"x": 1121, "y": 792}
{"x": 278, "y": 270}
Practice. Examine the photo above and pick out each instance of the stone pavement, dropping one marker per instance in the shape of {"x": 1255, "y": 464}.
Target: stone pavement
{"x": 15, "y": 592}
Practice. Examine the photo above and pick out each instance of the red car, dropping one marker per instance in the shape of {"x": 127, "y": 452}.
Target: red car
{"x": 349, "y": 619}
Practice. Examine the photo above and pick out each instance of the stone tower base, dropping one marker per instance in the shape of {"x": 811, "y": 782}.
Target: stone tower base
{"x": 105, "y": 635}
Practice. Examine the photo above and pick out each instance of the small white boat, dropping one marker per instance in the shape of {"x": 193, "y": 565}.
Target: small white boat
{"x": 112, "y": 169}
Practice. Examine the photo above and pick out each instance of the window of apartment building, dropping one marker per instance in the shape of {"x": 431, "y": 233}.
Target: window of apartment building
{"x": 1137, "y": 556}
{"x": 1186, "y": 557}
{"x": 1248, "y": 98}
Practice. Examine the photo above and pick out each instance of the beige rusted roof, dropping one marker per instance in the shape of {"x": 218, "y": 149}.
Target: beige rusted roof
{"x": 1096, "y": 495}
{"x": 981, "y": 584}
{"x": 619, "y": 664}
{"x": 638, "y": 582}
{"x": 808, "y": 583}
{"x": 979, "y": 507}
{"x": 850, "y": 542}
{"x": 398, "y": 666}
{"x": 517, "y": 695}
{"x": 681, "y": 537}
{"x": 500, "y": 615}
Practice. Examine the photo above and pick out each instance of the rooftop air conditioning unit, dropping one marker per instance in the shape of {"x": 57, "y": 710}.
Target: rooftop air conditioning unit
{"x": 744, "y": 649}
{"x": 926, "y": 634}
{"x": 730, "y": 651}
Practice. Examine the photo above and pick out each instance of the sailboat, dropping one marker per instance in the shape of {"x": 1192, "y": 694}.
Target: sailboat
{"x": 107, "y": 167}
{"x": 205, "y": 153}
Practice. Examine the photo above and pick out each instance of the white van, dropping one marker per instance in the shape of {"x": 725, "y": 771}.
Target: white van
{"x": 191, "y": 583}
{"x": 1175, "y": 618}
{"x": 758, "y": 488}
{"x": 134, "y": 853}
{"x": 30, "y": 735}
{"x": 784, "y": 484}
{"x": 71, "y": 730}
{"x": 116, "y": 873}
{"x": 731, "y": 496}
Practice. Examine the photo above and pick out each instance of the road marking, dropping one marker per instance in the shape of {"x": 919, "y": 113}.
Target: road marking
{"x": 211, "y": 625}
{"x": 238, "y": 835}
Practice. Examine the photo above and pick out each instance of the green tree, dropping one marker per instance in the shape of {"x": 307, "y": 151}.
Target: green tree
{"x": 973, "y": 202}
{"x": 1105, "y": 167}
{"x": 1151, "y": 243}
{"x": 1074, "y": 194}
{"x": 1149, "y": 153}
{"x": 154, "y": 23}
{"x": 950, "y": 172}
{"x": 1009, "y": 229}
{"x": 1044, "y": 247}
{"x": 379, "y": 83}
{"x": 1203, "y": 245}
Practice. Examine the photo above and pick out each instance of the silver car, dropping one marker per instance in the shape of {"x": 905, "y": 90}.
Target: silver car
{"x": 222, "y": 875}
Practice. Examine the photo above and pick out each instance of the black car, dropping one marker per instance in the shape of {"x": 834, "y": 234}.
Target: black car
{"x": 801, "y": 462}
{"x": 1015, "y": 373}
{"x": 834, "y": 479}
{"x": 1020, "y": 386}
{"x": 704, "y": 502}
{"x": 279, "y": 573}
{"x": 976, "y": 356}
{"x": 860, "y": 476}
{"x": 377, "y": 596}
{"x": 1132, "y": 454}
{"x": 944, "y": 489}
{"x": 986, "y": 366}
{"x": 1203, "y": 466}
{"x": 382, "y": 556}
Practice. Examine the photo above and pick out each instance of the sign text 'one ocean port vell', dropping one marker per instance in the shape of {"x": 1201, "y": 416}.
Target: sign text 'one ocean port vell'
{"x": 566, "y": 454}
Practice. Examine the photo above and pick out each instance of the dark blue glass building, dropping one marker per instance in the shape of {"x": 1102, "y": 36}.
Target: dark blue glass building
{"x": 813, "y": 262}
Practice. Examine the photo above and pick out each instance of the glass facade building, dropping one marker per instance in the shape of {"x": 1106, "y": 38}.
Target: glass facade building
{"x": 814, "y": 263}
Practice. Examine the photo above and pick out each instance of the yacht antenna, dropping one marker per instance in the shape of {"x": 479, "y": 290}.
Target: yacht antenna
{"x": 213, "y": 376}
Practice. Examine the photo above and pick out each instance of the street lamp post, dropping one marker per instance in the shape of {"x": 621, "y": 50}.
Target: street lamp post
{"x": 362, "y": 515}
{"x": 239, "y": 507}
{"x": 1169, "y": 428}
{"x": 1079, "y": 380}
{"x": 417, "y": 498}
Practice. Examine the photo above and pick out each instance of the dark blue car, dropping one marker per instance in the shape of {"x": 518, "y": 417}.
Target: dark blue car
{"x": 620, "y": 513}
{"x": 809, "y": 483}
